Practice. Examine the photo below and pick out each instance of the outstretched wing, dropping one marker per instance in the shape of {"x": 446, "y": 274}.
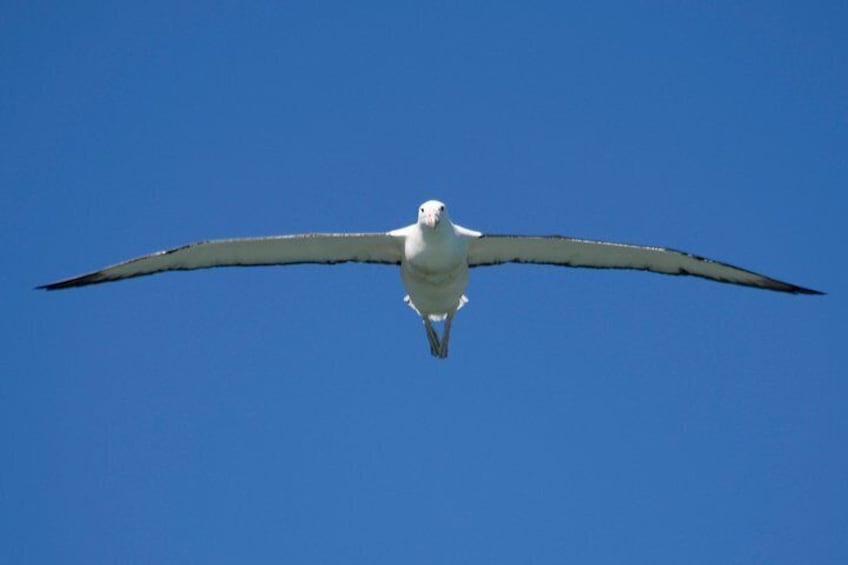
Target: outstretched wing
{"x": 327, "y": 248}
{"x": 570, "y": 252}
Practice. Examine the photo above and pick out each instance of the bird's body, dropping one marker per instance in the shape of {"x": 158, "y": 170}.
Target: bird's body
{"x": 434, "y": 268}
{"x": 435, "y": 292}
{"x": 434, "y": 256}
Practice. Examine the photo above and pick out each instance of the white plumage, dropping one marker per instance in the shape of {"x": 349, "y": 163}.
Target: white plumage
{"x": 434, "y": 255}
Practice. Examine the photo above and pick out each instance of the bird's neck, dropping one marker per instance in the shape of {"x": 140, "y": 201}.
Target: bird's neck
{"x": 440, "y": 233}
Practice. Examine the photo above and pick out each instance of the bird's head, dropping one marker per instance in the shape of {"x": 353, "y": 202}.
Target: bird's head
{"x": 431, "y": 214}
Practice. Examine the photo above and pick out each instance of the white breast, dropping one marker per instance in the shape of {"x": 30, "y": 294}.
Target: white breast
{"x": 435, "y": 270}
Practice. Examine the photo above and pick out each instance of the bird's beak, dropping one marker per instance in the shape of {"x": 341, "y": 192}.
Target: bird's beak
{"x": 431, "y": 221}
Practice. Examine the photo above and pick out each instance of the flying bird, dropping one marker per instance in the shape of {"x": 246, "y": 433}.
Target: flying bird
{"x": 434, "y": 255}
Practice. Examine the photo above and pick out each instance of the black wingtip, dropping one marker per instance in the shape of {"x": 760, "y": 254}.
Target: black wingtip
{"x": 790, "y": 288}
{"x": 51, "y": 287}
{"x": 54, "y": 286}
{"x": 83, "y": 280}
{"x": 809, "y": 291}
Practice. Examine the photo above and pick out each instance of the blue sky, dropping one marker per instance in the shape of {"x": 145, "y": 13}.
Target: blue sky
{"x": 294, "y": 414}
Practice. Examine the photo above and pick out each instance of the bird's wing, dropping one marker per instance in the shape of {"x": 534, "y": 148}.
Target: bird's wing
{"x": 326, "y": 248}
{"x": 570, "y": 252}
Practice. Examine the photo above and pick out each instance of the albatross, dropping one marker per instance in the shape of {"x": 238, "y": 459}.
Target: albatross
{"x": 434, "y": 255}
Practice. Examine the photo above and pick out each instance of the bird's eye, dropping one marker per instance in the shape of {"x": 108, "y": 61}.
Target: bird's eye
{"x": 422, "y": 209}
{"x": 441, "y": 208}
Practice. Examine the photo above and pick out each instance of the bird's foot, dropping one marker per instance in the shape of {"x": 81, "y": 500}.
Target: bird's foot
{"x": 432, "y": 338}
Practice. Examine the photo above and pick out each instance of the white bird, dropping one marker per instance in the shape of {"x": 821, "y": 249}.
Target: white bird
{"x": 434, "y": 255}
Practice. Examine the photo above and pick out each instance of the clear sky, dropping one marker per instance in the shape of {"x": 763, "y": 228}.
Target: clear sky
{"x": 294, "y": 415}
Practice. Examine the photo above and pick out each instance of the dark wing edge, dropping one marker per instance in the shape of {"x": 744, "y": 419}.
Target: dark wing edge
{"x": 374, "y": 248}
{"x": 569, "y": 256}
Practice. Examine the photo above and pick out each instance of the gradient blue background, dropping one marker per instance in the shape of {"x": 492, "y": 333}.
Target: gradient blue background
{"x": 294, "y": 415}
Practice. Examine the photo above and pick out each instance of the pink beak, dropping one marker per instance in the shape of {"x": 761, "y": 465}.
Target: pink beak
{"x": 431, "y": 221}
